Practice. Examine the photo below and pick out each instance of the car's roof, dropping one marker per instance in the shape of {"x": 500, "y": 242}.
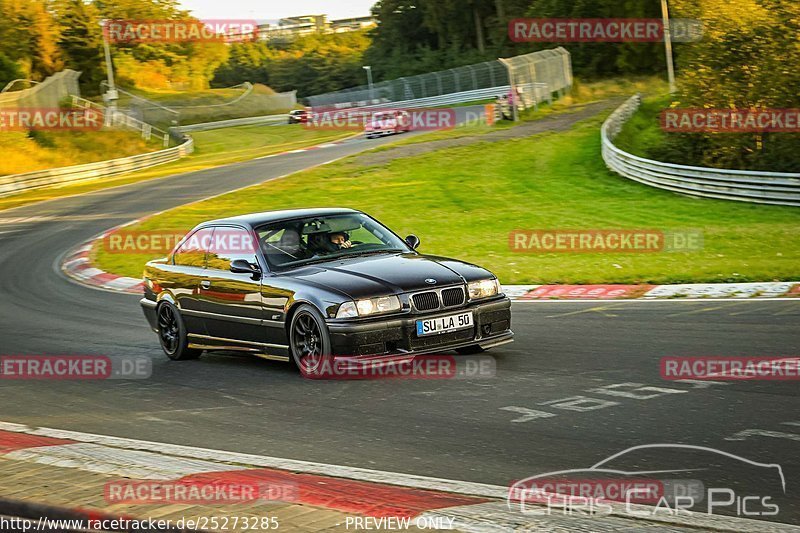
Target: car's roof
{"x": 256, "y": 219}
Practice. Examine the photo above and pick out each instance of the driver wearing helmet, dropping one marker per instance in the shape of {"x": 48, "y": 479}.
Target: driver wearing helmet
{"x": 340, "y": 240}
{"x": 326, "y": 243}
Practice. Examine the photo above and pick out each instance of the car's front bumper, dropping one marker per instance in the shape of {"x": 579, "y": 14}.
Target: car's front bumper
{"x": 149, "y": 309}
{"x": 397, "y": 335}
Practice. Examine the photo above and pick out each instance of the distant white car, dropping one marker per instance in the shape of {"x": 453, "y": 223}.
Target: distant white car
{"x": 387, "y": 123}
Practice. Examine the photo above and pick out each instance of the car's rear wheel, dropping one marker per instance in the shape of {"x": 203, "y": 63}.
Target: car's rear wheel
{"x": 309, "y": 339}
{"x": 470, "y": 350}
{"x": 172, "y": 334}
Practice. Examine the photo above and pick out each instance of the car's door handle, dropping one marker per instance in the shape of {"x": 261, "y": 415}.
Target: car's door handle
{"x": 205, "y": 284}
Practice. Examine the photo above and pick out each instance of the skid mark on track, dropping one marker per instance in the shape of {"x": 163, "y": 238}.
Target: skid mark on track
{"x": 749, "y": 311}
{"x": 705, "y": 309}
{"x": 791, "y": 310}
{"x": 600, "y": 309}
{"x": 199, "y": 409}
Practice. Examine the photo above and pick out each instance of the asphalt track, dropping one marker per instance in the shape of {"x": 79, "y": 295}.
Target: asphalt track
{"x": 488, "y": 430}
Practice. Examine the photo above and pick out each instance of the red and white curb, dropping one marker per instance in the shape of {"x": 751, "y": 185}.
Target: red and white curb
{"x": 409, "y": 499}
{"x": 680, "y": 292}
{"x": 78, "y": 266}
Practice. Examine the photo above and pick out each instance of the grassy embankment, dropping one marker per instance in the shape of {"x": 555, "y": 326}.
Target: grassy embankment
{"x": 24, "y": 152}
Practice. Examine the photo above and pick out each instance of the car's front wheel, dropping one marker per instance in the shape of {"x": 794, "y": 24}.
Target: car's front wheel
{"x": 172, "y": 334}
{"x": 309, "y": 339}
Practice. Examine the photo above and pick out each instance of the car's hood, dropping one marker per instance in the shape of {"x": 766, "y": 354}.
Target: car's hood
{"x": 366, "y": 276}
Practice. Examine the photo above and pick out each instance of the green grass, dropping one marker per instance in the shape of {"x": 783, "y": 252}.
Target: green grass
{"x": 227, "y": 145}
{"x": 642, "y": 133}
{"x": 213, "y": 148}
{"x": 463, "y": 202}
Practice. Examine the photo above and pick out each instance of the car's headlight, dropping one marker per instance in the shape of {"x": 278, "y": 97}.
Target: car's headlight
{"x": 483, "y": 288}
{"x": 371, "y": 306}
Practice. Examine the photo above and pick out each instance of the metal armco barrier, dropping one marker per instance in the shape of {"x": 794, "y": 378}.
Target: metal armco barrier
{"x": 778, "y": 188}
{"x": 247, "y": 121}
{"x": 454, "y": 98}
{"x": 17, "y": 183}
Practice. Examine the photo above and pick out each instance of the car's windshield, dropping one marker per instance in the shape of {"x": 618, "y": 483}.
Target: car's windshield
{"x": 295, "y": 242}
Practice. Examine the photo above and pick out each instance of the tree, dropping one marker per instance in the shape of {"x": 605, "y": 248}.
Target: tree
{"x": 311, "y": 64}
{"x": 9, "y": 70}
{"x": 247, "y": 62}
{"x": 748, "y": 58}
{"x": 29, "y": 36}
{"x": 81, "y": 41}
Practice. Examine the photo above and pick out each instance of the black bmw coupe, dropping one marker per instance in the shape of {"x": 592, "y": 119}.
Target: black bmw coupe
{"x": 316, "y": 282}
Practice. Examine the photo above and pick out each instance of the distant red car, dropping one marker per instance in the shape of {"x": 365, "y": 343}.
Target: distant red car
{"x": 387, "y": 123}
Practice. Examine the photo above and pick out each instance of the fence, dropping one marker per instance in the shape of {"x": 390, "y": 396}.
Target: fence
{"x": 546, "y": 72}
{"x": 17, "y": 183}
{"x": 246, "y": 100}
{"x": 777, "y": 188}
{"x": 49, "y": 93}
{"x": 536, "y": 76}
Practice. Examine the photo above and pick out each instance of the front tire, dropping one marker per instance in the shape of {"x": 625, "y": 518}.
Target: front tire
{"x": 172, "y": 334}
{"x": 309, "y": 339}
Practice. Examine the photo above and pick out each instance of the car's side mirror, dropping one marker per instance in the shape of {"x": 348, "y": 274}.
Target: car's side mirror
{"x": 413, "y": 241}
{"x": 241, "y": 266}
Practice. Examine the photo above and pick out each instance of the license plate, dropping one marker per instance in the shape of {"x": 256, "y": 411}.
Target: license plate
{"x": 444, "y": 324}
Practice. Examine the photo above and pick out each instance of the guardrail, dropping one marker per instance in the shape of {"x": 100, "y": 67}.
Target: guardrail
{"x": 17, "y": 183}
{"x": 247, "y": 121}
{"x": 540, "y": 91}
{"x": 778, "y": 188}
{"x": 445, "y": 99}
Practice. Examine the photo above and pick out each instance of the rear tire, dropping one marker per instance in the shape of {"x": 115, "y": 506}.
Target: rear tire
{"x": 172, "y": 334}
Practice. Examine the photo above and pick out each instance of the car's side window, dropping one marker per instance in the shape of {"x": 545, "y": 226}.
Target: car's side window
{"x": 229, "y": 244}
{"x": 192, "y": 252}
